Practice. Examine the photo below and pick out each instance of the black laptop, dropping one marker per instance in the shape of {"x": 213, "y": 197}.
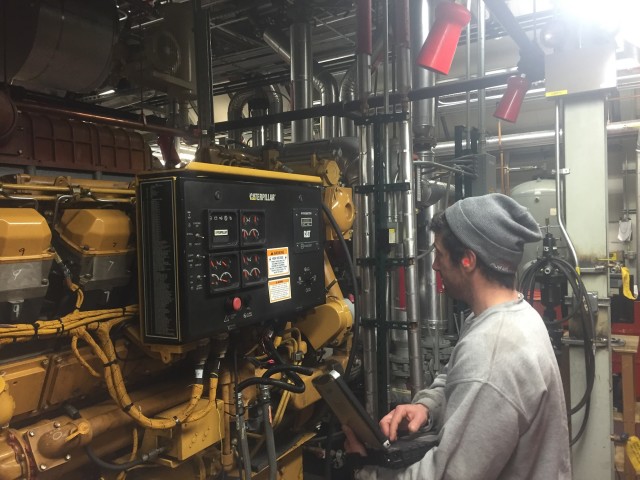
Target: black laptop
{"x": 349, "y": 411}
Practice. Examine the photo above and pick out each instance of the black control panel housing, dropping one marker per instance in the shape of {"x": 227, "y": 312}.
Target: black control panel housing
{"x": 222, "y": 253}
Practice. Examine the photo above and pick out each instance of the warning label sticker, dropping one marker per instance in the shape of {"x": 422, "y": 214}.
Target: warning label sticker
{"x": 279, "y": 290}
{"x": 278, "y": 261}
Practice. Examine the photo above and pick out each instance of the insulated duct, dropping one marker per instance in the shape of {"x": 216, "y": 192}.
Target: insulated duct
{"x": 240, "y": 99}
{"x": 59, "y": 45}
{"x": 301, "y": 130}
{"x": 323, "y": 81}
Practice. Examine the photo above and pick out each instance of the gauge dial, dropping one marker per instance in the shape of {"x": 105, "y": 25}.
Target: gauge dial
{"x": 253, "y": 266}
{"x": 223, "y": 272}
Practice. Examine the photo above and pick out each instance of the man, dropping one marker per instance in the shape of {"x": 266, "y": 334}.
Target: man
{"x": 499, "y": 404}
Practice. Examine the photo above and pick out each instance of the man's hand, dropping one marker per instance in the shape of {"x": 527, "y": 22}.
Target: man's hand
{"x": 413, "y": 415}
{"x": 351, "y": 443}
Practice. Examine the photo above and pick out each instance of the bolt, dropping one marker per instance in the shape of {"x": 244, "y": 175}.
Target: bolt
{"x": 43, "y": 467}
{"x": 56, "y": 424}
{"x": 45, "y": 362}
{"x": 32, "y": 433}
{"x": 67, "y": 457}
{"x": 217, "y": 195}
{"x": 19, "y": 151}
{"x": 58, "y": 360}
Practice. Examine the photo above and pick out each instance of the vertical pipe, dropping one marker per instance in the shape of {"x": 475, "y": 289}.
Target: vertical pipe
{"x": 637, "y": 277}
{"x": 275, "y": 106}
{"x": 301, "y": 83}
{"x": 468, "y": 74}
{"x": 422, "y": 111}
{"x": 363, "y": 240}
{"x": 482, "y": 107}
{"x": 203, "y": 70}
{"x": 409, "y": 229}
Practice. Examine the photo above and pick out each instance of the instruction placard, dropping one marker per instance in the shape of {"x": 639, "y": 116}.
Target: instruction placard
{"x": 279, "y": 289}
{"x": 278, "y": 261}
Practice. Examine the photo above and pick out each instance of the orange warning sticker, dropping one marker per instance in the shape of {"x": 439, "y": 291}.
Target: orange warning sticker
{"x": 279, "y": 289}
{"x": 278, "y": 261}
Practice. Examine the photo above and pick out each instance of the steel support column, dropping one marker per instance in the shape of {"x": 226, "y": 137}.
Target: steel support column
{"x": 585, "y": 138}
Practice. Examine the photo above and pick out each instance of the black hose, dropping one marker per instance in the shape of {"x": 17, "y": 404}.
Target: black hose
{"x": 121, "y": 467}
{"x": 289, "y": 369}
{"x": 268, "y": 433}
{"x": 586, "y": 316}
{"x": 296, "y": 387}
{"x": 352, "y": 271}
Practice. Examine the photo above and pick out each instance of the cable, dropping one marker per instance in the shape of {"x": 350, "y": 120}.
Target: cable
{"x": 352, "y": 271}
{"x": 121, "y": 467}
{"x": 548, "y": 264}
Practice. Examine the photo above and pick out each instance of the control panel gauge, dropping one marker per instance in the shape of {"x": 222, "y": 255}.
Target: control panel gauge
{"x": 223, "y": 272}
{"x": 252, "y": 227}
{"x": 253, "y": 267}
{"x": 222, "y": 228}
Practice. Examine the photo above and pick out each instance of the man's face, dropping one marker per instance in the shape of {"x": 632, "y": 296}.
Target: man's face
{"x": 451, "y": 274}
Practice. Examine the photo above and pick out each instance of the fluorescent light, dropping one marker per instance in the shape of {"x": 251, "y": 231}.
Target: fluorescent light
{"x": 107, "y": 92}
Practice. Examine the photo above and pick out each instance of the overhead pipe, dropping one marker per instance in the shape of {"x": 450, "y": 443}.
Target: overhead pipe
{"x": 240, "y": 100}
{"x": 340, "y": 109}
{"x": 323, "y": 81}
{"x": 301, "y": 68}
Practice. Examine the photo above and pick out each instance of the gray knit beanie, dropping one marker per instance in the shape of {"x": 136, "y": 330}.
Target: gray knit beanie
{"x": 495, "y": 227}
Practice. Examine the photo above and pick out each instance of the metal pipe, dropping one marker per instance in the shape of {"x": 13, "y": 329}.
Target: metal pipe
{"x": 99, "y": 118}
{"x": 341, "y": 109}
{"x": 482, "y": 107}
{"x": 422, "y": 111}
{"x": 201, "y": 33}
{"x": 363, "y": 244}
{"x": 409, "y": 229}
{"x": 323, "y": 81}
{"x": 347, "y": 92}
{"x": 637, "y": 277}
{"x": 302, "y": 98}
{"x": 560, "y": 189}
{"x": 468, "y": 77}
{"x": 240, "y": 99}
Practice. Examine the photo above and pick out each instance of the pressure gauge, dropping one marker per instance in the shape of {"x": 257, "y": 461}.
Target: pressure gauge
{"x": 223, "y": 272}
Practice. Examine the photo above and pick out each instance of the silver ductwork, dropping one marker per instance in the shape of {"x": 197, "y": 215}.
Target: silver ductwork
{"x": 323, "y": 81}
{"x": 241, "y": 99}
{"x": 301, "y": 68}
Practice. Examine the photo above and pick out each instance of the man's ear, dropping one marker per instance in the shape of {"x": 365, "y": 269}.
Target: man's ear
{"x": 469, "y": 260}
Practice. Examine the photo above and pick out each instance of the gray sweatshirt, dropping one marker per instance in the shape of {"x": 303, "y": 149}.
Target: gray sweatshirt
{"x": 499, "y": 405}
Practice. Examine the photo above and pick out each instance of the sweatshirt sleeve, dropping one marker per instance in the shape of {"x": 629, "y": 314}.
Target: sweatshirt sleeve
{"x": 434, "y": 399}
{"x": 471, "y": 447}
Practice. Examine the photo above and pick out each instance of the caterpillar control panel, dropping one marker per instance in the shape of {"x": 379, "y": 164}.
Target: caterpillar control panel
{"x": 224, "y": 247}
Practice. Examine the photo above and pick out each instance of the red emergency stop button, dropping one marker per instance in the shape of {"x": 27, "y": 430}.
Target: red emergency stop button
{"x": 236, "y": 304}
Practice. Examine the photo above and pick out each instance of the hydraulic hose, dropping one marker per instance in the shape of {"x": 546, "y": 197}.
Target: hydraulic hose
{"x": 122, "y": 467}
{"x": 549, "y": 263}
{"x": 265, "y": 398}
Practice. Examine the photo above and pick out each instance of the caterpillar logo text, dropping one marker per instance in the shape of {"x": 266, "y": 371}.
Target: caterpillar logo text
{"x": 262, "y": 197}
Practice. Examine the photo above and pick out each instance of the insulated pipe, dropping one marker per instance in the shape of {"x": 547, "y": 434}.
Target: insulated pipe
{"x": 323, "y": 81}
{"x": 363, "y": 244}
{"x": 482, "y": 107}
{"x": 347, "y": 92}
{"x": 422, "y": 111}
{"x": 301, "y": 68}
{"x": 240, "y": 99}
{"x": 637, "y": 278}
{"x": 409, "y": 228}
